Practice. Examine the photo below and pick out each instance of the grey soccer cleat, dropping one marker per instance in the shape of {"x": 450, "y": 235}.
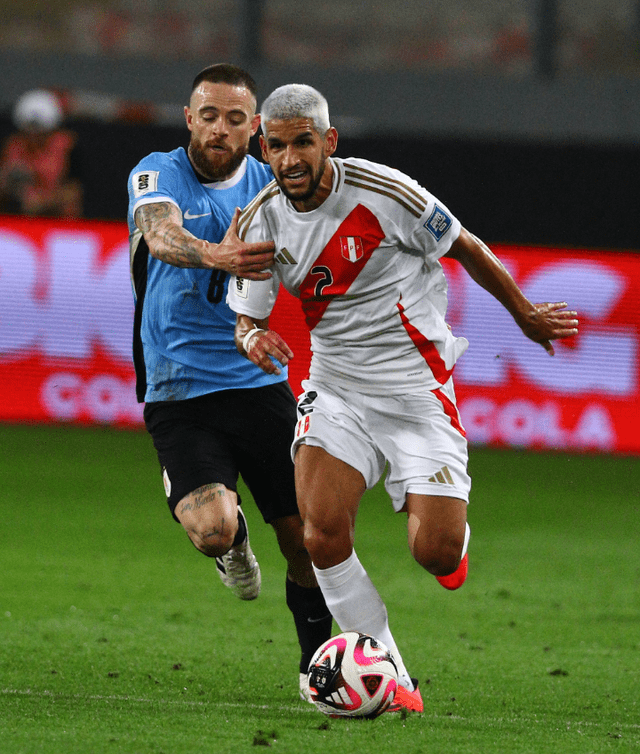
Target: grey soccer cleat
{"x": 239, "y": 569}
{"x": 305, "y": 694}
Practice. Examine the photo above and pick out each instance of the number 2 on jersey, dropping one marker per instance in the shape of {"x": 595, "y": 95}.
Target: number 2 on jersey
{"x": 325, "y": 280}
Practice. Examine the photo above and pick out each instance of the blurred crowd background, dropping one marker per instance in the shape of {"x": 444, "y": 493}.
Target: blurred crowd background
{"x": 524, "y": 116}
{"x": 497, "y": 36}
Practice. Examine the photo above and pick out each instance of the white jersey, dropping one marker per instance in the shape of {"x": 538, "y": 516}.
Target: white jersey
{"x": 365, "y": 265}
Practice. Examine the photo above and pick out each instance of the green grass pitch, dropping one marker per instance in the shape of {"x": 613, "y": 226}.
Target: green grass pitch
{"x": 116, "y": 636}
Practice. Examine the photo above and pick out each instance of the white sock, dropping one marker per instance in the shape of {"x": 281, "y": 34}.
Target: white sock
{"x": 356, "y": 606}
{"x": 467, "y": 534}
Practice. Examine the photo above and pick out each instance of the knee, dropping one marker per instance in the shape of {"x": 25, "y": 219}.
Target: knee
{"x": 316, "y": 541}
{"x": 328, "y": 545}
{"x": 439, "y": 556}
{"x": 209, "y": 515}
{"x": 211, "y": 538}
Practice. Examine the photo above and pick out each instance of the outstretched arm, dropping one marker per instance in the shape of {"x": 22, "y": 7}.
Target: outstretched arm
{"x": 542, "y": 323}
{"x": 167, "y": 239}
{"x": 255, "y": 341}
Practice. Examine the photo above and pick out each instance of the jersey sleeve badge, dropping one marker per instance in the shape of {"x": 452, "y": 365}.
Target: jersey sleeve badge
{"x": 241, "y": 287}
{"x": 145, "y": 182}
{"x": 439, "y": 223}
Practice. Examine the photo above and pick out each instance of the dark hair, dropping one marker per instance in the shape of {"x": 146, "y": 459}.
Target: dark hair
{"x": 226, "y": 73}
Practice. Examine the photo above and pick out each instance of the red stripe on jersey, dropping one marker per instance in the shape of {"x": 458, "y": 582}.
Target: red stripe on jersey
{"x": 333, "y": 272}
{"x": 427, "y": 349}
{"x": 450, "y": 410}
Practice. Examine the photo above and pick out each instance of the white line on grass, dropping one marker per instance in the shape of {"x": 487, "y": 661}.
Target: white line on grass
{"x": 493, "y": 721}
{"x": 143, "y": 700}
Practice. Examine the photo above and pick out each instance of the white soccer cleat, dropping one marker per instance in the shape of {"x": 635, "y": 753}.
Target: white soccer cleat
{"x": 305, "y": 694}
{"x": 239, "y": 570}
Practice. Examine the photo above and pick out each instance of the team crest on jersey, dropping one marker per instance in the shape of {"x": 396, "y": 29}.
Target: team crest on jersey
{"x": 439, "y": 223}
{"x": 144, "y": 183}
{"x": 352, "y": 247}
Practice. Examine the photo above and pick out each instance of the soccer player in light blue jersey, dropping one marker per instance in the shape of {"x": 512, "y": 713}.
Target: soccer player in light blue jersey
{"x": 212, "y": 414}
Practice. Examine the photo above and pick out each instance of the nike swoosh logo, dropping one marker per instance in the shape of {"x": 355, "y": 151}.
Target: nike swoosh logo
{"x": 317, "y": 620}
{"x": 189, "y": 216}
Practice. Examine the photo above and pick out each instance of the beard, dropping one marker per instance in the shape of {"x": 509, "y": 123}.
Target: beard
{"x": 216, "y": 166}
{"x": 314, "y": 182}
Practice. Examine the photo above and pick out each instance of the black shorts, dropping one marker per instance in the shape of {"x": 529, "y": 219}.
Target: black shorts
{"x": 216, "y": 437}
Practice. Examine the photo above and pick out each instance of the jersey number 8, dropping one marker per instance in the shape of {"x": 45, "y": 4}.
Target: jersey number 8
{"x": 216, "y": 286}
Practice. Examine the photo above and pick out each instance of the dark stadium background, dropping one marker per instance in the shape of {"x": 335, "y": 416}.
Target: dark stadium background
{"x": 505, "y": 191}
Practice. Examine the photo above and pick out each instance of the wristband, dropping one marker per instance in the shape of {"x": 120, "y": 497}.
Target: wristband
{"x": 250, "y": 334}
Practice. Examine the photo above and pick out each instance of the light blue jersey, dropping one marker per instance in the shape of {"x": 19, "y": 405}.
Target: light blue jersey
{"x": 183, "y": 329}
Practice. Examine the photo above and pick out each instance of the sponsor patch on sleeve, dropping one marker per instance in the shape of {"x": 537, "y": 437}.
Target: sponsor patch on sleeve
{"x": 241, "y": 287}
{"x": 145, "y": 182}
{"x": 439, "y": 223}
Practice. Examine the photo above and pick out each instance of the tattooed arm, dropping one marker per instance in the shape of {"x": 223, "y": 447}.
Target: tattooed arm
{"x": 168, "y": 241}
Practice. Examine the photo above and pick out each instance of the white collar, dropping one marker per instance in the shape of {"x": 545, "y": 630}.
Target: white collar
{"x": 230, "y": 182}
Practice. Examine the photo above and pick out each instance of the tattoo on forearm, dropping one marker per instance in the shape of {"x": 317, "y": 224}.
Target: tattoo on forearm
{"x": 168, "y": 240}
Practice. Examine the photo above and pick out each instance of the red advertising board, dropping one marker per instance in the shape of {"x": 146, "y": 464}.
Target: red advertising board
{"x": 66, "y": 314}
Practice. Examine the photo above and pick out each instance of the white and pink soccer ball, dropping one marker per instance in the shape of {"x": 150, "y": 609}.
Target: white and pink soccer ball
{"x": 352, "y": 675}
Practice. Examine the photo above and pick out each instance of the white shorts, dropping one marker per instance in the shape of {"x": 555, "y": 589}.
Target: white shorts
{"x": 419, "y": 436}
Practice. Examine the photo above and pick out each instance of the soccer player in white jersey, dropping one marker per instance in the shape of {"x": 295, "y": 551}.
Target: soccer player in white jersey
{"x": 359, "y": 243}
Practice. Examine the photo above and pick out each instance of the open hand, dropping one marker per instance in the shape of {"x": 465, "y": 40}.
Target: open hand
{"x": 265, "y": 344}
{"x": 549, "y": 322}
{"x": 246, "y": 260}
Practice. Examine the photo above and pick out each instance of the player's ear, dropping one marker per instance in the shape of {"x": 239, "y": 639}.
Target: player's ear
{"x": 188, "y": 117}
{"x": 255, "y": 124}
{"x": 263, "y": 148}
{"x": 330, "y": 141}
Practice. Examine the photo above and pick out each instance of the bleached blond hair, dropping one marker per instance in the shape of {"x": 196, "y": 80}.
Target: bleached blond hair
{"x": 296, "y": 101}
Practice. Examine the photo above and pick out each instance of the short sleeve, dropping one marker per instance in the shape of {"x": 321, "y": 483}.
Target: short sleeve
{"x": 154, "y": 179}
{"x": 255, "y": 298}
{"x": 436, "y": 230}
{"x": 420, "y": 220}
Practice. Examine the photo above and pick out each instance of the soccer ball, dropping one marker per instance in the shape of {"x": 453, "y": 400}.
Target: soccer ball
{"x": 352, "y": 675}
